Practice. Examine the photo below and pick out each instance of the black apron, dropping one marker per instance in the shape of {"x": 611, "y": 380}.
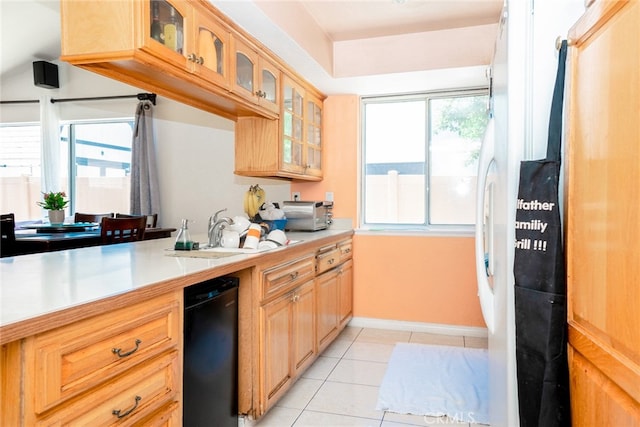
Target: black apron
{"x": 540, "y": 282}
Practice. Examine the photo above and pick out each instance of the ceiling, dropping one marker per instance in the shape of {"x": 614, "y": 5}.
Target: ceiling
{"x": 35, "y": 23}
{"x": 362, "y": 19}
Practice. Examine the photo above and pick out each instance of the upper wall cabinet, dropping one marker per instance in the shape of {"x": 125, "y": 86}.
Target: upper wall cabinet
{"x": 177, "y": 48}
{"x": 211, "y": 56}
{"x": 255, "y": 78}
{"x": 290, "y": 147}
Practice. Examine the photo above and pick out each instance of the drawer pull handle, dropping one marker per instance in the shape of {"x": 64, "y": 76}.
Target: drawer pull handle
{"x": 129, "y": 353}
{"x": 331, "y": 261}
{"x": 117, "y": 412}
{"x": 294, "y": 275}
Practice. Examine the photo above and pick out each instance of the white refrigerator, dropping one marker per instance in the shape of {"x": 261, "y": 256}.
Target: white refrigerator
{"x": 523, "y": 75}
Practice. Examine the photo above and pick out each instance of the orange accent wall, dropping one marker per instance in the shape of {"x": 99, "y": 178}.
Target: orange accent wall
{"x": 416, "y": 279}
{"x": 341, "y": 136}
{"x": 396, "y": 277}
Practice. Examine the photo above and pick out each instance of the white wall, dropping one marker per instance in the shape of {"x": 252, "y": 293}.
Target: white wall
{"x": 195, "y": 149}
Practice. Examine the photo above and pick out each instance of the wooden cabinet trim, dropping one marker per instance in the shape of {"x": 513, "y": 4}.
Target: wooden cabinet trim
{"x": 156, "y": 382}
{"x": 284, "y": 277}
{"x": 72, "y": 359}
{"x": 615, "y": 365}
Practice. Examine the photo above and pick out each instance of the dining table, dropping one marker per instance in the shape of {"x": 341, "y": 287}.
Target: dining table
{"x": 54, "y": 237}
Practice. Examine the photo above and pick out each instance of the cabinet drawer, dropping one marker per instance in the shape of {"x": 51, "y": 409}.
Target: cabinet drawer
{"x": 284, "y": 277}
{"x": 346, "y": 249}
{"x": 327, "y": 259}
{"x": 134, "y": 397}
{"x": 71, "y": 359}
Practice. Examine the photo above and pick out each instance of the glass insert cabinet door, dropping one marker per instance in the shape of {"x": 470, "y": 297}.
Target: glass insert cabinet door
{"x": 292, "y": 126}
{"x": 244, "y": 71}
{"x": 167, "y": 25}
{"x": 314, "y": 137}
{"x": 212, "y": 42}
{"x": 269, "y": 86}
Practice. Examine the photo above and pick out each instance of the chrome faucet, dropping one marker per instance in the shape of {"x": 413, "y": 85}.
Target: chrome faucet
{"x": 216, "y": 225}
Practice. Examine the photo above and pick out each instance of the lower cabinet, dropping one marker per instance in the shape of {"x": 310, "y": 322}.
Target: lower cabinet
{"x": 304, "y": 303}
{"x": 288, "y": 339}
{"x": 345, "y": 293}
{"x": 327, "y": 314}
{"x": 120, "y": 367}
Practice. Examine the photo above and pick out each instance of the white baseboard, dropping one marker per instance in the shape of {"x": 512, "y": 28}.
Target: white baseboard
{"x": 432, "y": 328}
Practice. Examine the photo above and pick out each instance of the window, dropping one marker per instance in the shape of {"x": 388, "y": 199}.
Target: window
{"x": 102, "y": 165}
{"x": 420, "y": 159}
{"x": 20, "y": 170}
{"x": 94, "y": 167}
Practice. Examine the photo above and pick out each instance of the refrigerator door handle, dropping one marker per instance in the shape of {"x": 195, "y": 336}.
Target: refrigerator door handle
{"x": 484, "y": 249}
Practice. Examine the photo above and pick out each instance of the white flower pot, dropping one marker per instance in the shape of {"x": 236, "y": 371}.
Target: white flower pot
{"x": 56, "y": 217}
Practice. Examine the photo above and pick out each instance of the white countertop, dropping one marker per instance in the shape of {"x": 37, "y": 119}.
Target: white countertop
{"x": 39, "y": 284}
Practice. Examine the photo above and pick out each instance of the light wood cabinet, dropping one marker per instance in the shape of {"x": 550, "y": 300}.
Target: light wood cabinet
{"x": 211, "y": 56}
{"x": 254, "y": 76}
{"x": 345, "y": 293}
{"x": 290, "y": 147}
{"x": 327, "y": 314}
{"x": 603, "y": 216}
{"x": 180, "y": 49}
{"x": 334, "y": 291}
{"x": 121, "y": 366}
{"x": 287, "y": 328}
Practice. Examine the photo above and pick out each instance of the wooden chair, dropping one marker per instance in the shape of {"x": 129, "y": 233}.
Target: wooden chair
{"x": 120, "y": 230}
{"x": 9, "y": 246}
{"x": 87, "y": 217}
{"x": 8, "y": 234}
{"x": 152, "y": 219}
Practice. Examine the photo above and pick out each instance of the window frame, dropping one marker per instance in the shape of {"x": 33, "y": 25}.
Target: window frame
{"x": 426, "y": 228}
{"x": 72, "y": 168}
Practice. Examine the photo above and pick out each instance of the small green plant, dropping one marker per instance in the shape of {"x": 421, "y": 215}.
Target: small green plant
{"x": 54, "y": 201}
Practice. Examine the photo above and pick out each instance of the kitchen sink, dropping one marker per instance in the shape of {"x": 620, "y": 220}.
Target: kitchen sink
{"x": 224, "y": 252}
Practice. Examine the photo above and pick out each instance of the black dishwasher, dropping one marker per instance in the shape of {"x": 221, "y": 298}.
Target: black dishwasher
{"x": 210, "y": 377}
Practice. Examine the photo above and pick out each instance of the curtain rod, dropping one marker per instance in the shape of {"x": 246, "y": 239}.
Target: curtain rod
{"x": 141, "y": 96}
{"x": 21, "y": 101}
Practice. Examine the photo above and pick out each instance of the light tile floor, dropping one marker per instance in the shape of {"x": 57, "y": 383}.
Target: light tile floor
{"x": 341, "y": 387}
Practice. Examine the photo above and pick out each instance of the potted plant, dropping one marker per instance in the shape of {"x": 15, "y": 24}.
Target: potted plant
{"x": 55, "y": 203}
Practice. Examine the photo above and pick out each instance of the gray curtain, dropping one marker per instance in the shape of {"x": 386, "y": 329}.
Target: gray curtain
{"x": 145, "y": 192}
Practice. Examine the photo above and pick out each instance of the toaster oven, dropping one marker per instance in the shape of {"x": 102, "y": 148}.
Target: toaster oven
{"x": 307, "y": 216}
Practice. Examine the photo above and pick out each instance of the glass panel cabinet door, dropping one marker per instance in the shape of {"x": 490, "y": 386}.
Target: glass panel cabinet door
{"x": 244, "y": 71}
{"x": 269, "y": 90}
{"x": 269, "y": 86}
{"x": 213, "y": 47}
{"x": 292, "y": 144}
{"x": 167, "y": 25}
{"x": 313, "y": 136}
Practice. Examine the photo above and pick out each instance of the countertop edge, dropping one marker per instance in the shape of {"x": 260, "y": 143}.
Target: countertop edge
{"x": 46, "y": 321}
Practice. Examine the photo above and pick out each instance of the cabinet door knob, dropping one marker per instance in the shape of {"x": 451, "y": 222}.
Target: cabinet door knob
{"x": 191, "y": 57}
{"x": 200, "y": 60}
{"x": 118, "y": 412}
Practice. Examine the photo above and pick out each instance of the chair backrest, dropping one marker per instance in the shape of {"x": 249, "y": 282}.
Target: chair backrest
{"x": 8, "y": 234}
{"x": 152, "y": 219}
{"x": 87, "y": 217}
{"x": 120, "y": 230}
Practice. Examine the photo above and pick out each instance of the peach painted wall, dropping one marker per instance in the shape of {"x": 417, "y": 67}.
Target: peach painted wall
{"x": 396, "y": 277}
{"x": 416, "y": 279}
